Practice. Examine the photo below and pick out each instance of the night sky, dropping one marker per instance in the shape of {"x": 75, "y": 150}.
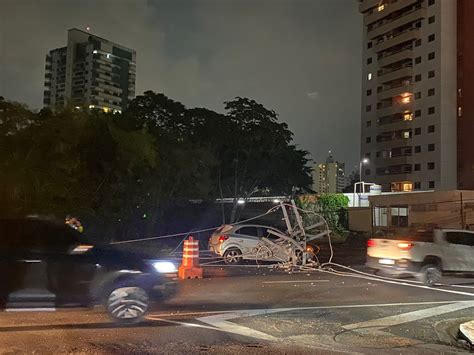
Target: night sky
{"x": 301, "y": 58}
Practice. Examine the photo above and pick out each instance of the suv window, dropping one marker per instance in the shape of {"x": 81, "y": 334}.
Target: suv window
{"x": 251, "y": 231}
{"x": 38, "y": 236}
{"x": 463, "y": 238}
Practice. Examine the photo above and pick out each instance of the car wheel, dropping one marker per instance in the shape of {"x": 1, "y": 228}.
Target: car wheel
{"x": 430, "y": 275}
{"x": 127, "y": 304}
{"x": 233, "y": 256}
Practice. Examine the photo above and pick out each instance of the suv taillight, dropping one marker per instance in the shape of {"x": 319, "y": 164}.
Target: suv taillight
{"x": 371, "y": 243}
{"x": 223, "y": 238}
{"x": 405, "y": 245}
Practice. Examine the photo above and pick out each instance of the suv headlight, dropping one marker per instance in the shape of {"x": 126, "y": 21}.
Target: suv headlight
{"x": 164, "y": 267}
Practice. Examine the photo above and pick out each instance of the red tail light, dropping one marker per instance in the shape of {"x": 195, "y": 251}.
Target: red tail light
{"x": 223, "y": 238}
{"x": 371, "y": 243}
{"x": 405, "y": 245}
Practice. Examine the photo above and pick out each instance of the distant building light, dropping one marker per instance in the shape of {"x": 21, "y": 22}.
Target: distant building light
{"x": 108, "y": 55}
{"x": 77, "y": 107}
{"x": 369, "y": 76}
{"x": 95, "y": 51}
{"x": 241, "y": 201}
{"x": 105, "y": 109}
{"x": 276, "y": 201}
{"x": 91, "y": 106}
{"x": 381, "y": 7}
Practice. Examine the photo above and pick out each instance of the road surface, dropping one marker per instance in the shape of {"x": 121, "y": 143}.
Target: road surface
{"x": 263, "y": 312}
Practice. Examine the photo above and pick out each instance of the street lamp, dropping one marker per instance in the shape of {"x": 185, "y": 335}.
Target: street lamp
{"x": 362, "y": 162}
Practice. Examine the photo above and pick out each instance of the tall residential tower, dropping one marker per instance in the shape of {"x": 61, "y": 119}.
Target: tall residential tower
{"x": 90, "y": 72}
{"x": 329, "y": 177}
{"x": 417, "y": 108}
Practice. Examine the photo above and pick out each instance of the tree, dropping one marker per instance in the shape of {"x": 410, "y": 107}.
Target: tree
{"x": 259, "y": 155}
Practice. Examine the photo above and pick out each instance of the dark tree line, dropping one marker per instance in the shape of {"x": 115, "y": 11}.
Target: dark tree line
{"x": 125, "y": 170}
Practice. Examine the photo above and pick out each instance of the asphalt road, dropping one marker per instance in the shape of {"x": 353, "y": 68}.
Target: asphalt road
{"x": 263, "y": 312}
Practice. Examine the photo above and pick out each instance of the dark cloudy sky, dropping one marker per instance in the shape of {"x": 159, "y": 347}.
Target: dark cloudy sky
{"x": 301, "y": 58}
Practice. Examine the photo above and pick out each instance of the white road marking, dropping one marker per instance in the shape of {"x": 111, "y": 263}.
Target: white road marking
{"x": 221, "y": 321}
{"x": 44, "y": 309}
{"x": 276, "y": 310}
{"x": 377, "y": 324}
{"x": 293, "y": 282}
{"x": 400, "y": 283}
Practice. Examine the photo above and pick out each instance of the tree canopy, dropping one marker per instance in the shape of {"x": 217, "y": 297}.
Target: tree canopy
{"x": 130, "y": 167}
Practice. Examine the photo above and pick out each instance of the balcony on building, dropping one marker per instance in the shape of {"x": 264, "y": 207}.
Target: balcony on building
{"x": 398, "y": 54}
{"x": 404, "y": 37}
{"x": 400, "y": 169}
{"x": 366, "y": 5}
{"x": 398, "y": 88}
{"x": 377, "y": 12}
{"x": 398, "y": 72}
{"x": 397, "y": 121}
{"x": 400, "y": 19}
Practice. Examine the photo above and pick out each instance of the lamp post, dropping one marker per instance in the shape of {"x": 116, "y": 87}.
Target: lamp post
{"x": 362, "y": 162}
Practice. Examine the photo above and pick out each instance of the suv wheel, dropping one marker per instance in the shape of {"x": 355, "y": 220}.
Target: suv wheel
{"x": 430, "y": 275}
{"x": 127, "y": 304}
{"x": 233, "y": 256}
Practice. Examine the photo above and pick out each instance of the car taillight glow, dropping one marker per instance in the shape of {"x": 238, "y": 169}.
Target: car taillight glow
{"x": 371, "y": 243}
{"x": 223, "y": 238}
{"x": 405, "y": 245}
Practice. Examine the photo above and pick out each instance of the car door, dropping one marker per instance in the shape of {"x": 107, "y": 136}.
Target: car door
{"x": 23, "y": 266}
{"x": 71, "y": 264}
{"x": 247, "y": 240}
{"x": 280, "y": 253}
{"x": 459, "y": 251}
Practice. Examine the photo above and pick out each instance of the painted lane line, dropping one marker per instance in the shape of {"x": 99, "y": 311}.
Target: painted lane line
{"x": 186, "y": 324}
{"x": 44, "y": 309}
{"x": 399, "y": 283}
{"x": 377, "y": 324}
{"x": 221, "y": 321}
{"x": 289, "y": 309}
{"x": 294, "y": 282}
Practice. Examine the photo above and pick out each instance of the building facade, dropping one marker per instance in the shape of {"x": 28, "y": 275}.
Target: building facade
{"x": 329, "y": 177}
{"x": 411, "y": 94}
{"x": 90, "y": 72}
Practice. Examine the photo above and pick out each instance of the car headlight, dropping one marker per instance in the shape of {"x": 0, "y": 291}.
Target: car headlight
{"x": 164, "y": 267}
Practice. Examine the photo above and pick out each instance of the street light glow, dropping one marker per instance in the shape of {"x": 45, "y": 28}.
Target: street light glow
{"x": 365, "y": 161}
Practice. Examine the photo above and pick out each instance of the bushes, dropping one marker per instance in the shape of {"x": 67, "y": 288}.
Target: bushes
{"x": 333, "y": 207}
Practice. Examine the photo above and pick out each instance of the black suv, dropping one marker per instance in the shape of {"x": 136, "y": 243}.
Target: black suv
{"x": 47, "y": 264}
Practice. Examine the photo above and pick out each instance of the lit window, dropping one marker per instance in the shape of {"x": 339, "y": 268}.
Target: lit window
{"x": 369, "y": 76}
{"x": 91, "y": 106}
{"x": 94, "y": 51}
{"x": 408, "y": 116}
{"x": 106, "y": 109}
{"x": 406, "y": 134}
{"x": 381, "y": 7}
{"x": 406, "y": 98}
{"x": 459, "y": 111}
{"x": 407, "y": 186}
{"x": 108, "y": 55}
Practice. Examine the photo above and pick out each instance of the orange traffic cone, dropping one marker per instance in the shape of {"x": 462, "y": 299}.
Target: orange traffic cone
{"x": 189, "y": 268}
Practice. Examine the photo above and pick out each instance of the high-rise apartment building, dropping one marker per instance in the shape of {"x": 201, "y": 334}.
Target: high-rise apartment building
{"x": 417, "y": 106}
{"x": 90, "y": 72}
{"x": 329, "y": 177}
